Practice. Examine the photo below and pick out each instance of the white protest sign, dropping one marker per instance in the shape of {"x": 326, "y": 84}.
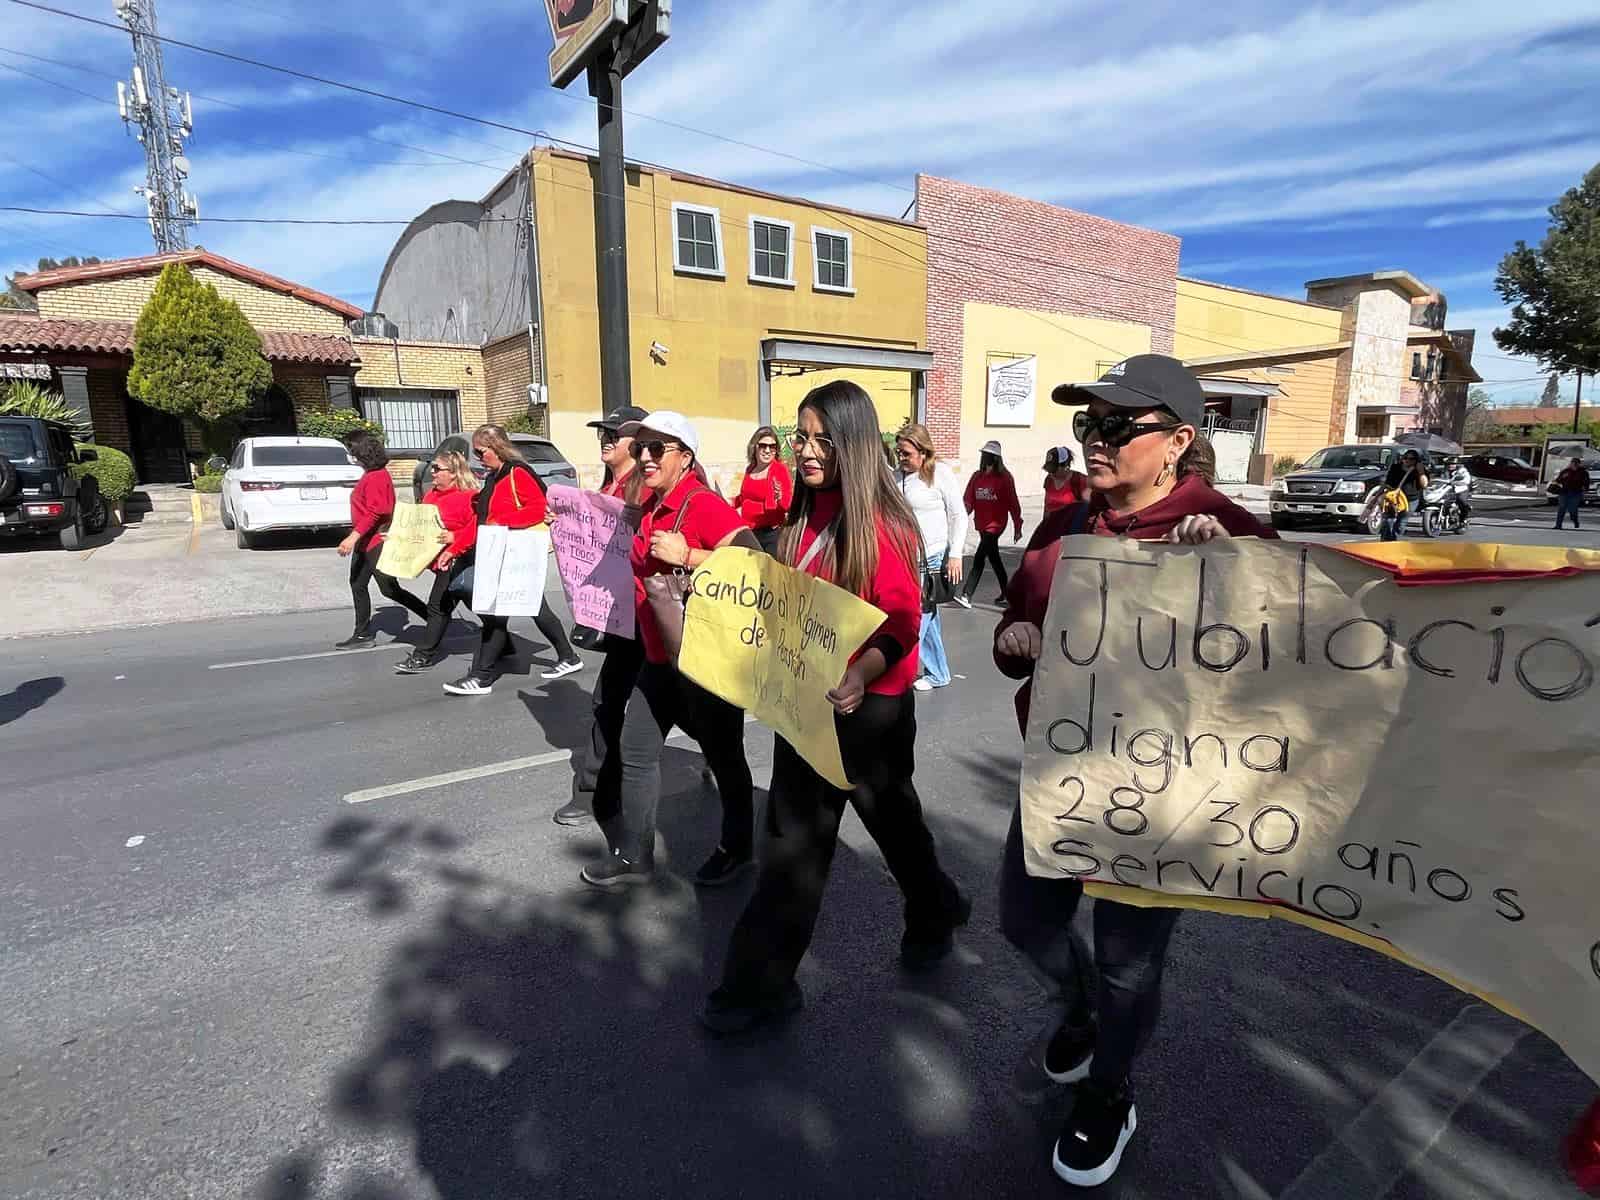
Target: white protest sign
{"x": 509, "y": 570}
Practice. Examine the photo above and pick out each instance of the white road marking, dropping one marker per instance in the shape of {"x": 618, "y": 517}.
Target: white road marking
{"x": 262, "y": 662}
{"x": 136, "y": 840}
{"x": 1402, "y": 1122}
{"x": 121, "y": 676}
{"x": 407, "y": 786}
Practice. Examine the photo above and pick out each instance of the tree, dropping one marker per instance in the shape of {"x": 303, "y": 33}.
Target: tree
{"x": 1551, "y": 396}
{"x": 194, "y": 353}
{"x": 15, "y": 297}
{"x": 1479, "y": 424}
{"x": 1554, "y": 290}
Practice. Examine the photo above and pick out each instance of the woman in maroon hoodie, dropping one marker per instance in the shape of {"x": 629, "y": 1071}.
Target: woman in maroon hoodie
{"x": 371, "y": 506}
{"x": 1149, "y": 474}
{"x": 991, "y": 498}
{"x": 849, "y": 525}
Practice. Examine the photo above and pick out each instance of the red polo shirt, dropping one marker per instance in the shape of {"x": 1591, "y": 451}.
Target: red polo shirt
{"x": 707, "y": 521}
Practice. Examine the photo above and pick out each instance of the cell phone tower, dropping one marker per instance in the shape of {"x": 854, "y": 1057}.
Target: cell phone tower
{"x": 161, "y": 118}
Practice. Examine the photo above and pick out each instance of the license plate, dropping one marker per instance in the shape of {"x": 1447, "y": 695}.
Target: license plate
{"x": 1302, "y": 508}
{"x": 313, "y": 493}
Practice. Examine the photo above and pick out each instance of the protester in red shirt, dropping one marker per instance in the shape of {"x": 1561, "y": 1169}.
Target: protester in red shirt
{"x": 855, "y": 530}
{"x": 454, "y": 486}
{"x": 1062, "y": 485}
{"x": 1149, "y": 474}
{"x": 371, "y": 506}
{"x": 766, "y": 489}
{"x": 683, "y": 521}
{"x": 991, "y": 497}
{"x": 597, "y": 765}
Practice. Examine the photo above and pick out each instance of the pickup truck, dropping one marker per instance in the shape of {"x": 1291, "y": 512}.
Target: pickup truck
{"x": 1333, "y": 484}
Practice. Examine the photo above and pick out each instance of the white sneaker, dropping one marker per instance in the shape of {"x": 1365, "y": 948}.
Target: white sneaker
{"x": 470, "y": 685}
{"x": 562, "y": 670}
{"x": 963, "y": 601}
{"x": 923, "y": 685}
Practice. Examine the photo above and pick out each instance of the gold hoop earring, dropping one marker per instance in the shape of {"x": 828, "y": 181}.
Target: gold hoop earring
{"x": 1166, "y": 474}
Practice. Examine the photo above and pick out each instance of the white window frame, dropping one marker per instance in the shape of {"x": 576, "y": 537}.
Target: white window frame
{"x": 849, "y": 288}
{"x": 678, "y": 265}
{"x": 788, "y": 259}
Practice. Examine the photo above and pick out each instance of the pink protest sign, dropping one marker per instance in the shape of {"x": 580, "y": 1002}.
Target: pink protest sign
{"x": 592, "y": 535}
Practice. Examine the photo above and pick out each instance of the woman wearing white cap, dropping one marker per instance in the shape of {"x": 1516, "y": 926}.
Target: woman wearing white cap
{"x": 930, "y": 488}
{"x": 682, "y": 522}
{"x": 991, "y": 498}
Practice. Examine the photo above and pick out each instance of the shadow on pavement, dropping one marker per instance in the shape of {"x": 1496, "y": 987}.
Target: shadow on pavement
{"x": 29, "y": 695}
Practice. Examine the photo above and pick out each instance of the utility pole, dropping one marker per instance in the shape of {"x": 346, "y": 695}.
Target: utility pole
{"x": 1577, "y": 405}
{"x": 163, "y": 118}
{"x": 616, "y": 368}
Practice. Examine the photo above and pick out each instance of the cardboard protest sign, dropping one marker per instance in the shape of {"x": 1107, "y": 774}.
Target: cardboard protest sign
{"x": 592, "y": 537}
{"x": 413, "y": 540}
{"x": 1266, "y": 729}
{"x": 509, "y": 570}
{"x": 774, "y": 641}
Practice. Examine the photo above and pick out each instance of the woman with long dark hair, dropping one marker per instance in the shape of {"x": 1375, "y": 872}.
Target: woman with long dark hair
{"x": 991, "y": 498}
{"x": 1150, "y": 477}
{"x": 371, "y": 506}
{"x": 850, "y": 525}
{"x": 766, "y": 489}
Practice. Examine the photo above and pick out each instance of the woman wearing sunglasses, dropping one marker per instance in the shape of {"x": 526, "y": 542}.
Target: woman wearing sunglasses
{"x": 852, "y": 527}
{"x": 682, "y": 522}
{"x": 1150, "y": 477}
{"x": 454, "y": 488}
{"x": 766, "y": 489}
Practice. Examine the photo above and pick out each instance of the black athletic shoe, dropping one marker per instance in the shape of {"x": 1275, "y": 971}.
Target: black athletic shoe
{"x": 1090, "y": 1147}
{"x": 356, "y": 641}
{"x": 416, "y": 663}
{"x": 725, "y": 1014}
{"x": 574, "y": 812}
{"x": 614, "y": 871}
{"x": 722, "y": 868}
{"x": 1071, "y": 1050}
{"x": 922, "y": 952}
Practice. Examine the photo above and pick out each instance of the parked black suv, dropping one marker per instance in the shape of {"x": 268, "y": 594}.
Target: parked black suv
{"x": 38, "y": 491}
{"x": 1333, "y": 483}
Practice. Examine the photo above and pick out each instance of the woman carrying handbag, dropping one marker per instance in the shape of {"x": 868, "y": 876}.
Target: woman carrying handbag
{"x": 682, "y": 522}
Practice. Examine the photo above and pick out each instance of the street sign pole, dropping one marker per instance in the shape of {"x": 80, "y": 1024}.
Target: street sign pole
{"x": 616, "y": 372}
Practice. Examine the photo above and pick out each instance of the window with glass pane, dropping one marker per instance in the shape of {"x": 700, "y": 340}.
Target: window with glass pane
{"x": 414, "y": 420}
{"x": 772, "y": 251}
{"x": 697, "y": 241}
{"x": 833, "y": 260}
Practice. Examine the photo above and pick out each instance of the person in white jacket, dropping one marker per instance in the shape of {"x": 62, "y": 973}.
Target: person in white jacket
{"x": 930, "y": 488}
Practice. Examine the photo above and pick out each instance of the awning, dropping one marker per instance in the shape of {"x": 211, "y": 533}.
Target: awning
{"x": 841, "y": 354}
{"x": 1220, "y": 389}
{"x": 1387, "y": 410}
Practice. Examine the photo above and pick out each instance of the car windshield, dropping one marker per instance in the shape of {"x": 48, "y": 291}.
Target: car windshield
{"x": 299, "y": 456}
{"x": 16, "y": 443}
{"x": 1344, "y": 458}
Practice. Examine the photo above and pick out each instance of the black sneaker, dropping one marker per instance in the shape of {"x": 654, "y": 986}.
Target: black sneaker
{"x": 356, "y": 641}
{"x": 416, "y": 663}
{"x": 574, "y": 812}
{"x": 922, "y": 951}
{"x": 1090, "y": 1147}
{"x": 614, "y": 871}
{"x": 726, "y": 1014}
{"x": 722, "y": 868}
{"x": 1069, "y": 1053}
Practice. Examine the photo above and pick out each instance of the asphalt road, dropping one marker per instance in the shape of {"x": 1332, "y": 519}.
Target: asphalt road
{"x": 222, "y": 979}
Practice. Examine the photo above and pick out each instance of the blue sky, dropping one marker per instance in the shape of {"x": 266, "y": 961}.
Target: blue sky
{"x": 1281, "y": 142}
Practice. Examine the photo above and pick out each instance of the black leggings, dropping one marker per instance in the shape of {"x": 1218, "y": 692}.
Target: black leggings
{"x": 495, "y": 636}
{"x": 364, "y": 569}
{"x": 441, "y": 605}
{"x": 878, "y": 745}
{"x": 988, "y": 551}
{"x": 598, "y": 770}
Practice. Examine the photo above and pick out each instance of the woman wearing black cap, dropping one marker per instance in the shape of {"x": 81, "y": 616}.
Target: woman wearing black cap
{"x": 1149, "y": 474}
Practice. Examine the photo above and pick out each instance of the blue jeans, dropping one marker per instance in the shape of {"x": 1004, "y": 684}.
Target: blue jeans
{"x": 931, "y": 648}
{"x": 1567, "y": 505}
{"x": 1393, "y": 527}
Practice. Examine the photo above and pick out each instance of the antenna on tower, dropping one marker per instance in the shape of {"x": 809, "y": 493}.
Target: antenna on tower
{"x": 161, "y": 117}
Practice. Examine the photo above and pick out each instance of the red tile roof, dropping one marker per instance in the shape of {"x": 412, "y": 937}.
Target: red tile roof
{"x": 1537, "y": 415}
{"x": 118, "y": 267}
{"x": 19, "y": 334}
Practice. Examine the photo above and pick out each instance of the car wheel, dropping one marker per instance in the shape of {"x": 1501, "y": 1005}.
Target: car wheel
{"x": 95, "y": 520}
{"x": 1279, "y": 521}
{"x": 72, "y": 536}
{"x": 227, "y": 515}
{"x": 9, "y": 483}
{"x": 1374, "y": 521}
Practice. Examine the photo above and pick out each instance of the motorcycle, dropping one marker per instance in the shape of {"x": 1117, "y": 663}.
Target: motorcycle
{"x": 1443, "y": 508}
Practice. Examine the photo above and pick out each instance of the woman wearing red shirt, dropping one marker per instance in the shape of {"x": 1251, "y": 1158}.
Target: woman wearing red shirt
{"x": 766, "y": 489}
{"x": 683, "y": 521}
{"x": 991, "y": 497}
{"x": 454, "y": 486}
{"x": 1062, "y": 485}
{"x": 371, "y": 506}
{"x": 855, "y": 530}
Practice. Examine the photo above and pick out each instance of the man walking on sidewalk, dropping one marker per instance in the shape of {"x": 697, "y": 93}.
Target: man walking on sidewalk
{"x": 1570, "y": 486}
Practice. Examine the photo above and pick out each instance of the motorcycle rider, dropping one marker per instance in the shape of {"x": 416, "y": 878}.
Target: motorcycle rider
{"x": 1455, "y": 473}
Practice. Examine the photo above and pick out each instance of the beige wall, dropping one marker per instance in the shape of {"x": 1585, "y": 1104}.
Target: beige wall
{"x": 507, "y": 372}
{"x": 427, "y": 365}
{"x": 122, "y": 299}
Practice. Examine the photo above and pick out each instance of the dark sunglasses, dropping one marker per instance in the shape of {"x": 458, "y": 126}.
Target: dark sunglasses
{"x": 767, "y": 446}
{"x": 437, "y": 467}
{"x": 655, "y": 449}
{"x": 609, "y": 437}
{"x": 1115, "y": 429}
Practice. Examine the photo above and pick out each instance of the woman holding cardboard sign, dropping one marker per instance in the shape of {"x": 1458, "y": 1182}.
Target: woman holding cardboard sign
{"x": 1150, "y": 474}
{"x": 850, "y": 526}
{"x": 682, "y": 522}
{"x": 454, "y": 486}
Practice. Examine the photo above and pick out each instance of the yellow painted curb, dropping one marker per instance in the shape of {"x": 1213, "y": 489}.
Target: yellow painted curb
{"x": 195, "y": 517}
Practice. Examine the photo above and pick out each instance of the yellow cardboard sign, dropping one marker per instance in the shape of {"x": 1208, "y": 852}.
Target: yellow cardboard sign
{"x": 413, "y": 540}
{"x": 1270, "y": 729}
{"x": 774, "y": 641}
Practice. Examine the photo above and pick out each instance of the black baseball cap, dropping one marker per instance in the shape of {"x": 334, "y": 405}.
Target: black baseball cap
{"x": 618, "y": 417}
{"x": 1143, "y": 381}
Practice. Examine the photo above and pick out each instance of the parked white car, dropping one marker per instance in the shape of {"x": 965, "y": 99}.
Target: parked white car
{"x": 287, "y": 483}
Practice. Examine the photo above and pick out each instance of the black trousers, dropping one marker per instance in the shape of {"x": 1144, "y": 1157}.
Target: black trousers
{"x": 878, "y": 745}
{"x": 364, "y": 570}
{"x": 988, "y": 551}
{"x": 768, "y": 539}
{"x": 494, "y": 636}
{"x": 1123, "y": 990}
{"x": 599, "y": 761}
{"x": 441, "y": 606}
{"x": 662, "y": 699}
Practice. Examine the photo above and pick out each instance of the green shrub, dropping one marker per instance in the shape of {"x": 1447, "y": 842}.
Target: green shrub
{"x": 25, "y": 398}
{"x": 113, "y": 469}
{"x": 208, "y": 483}
{"x": 1283, "y": 464}
{"x": 335, "y": 423}
{"x": 523, "y": 422}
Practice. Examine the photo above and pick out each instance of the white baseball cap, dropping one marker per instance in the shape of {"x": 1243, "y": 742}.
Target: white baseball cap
{"x": 990, "y": 447}
{"x": 668, "y": 424}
